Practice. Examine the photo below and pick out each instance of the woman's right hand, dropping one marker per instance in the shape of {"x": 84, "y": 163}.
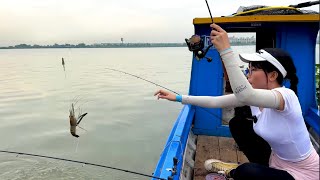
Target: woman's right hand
{"x": 162, "y": 94}
{"x": 219, "y": 38}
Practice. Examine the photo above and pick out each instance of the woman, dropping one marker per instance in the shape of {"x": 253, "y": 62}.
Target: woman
{"x": 276, "y": 113}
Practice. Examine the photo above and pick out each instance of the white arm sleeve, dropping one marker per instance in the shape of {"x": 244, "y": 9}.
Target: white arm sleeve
{"x": 243, "y": 90}
{"x": 211, "y": 101}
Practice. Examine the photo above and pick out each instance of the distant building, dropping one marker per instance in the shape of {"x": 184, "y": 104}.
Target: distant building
{"x": 242, "y": 40}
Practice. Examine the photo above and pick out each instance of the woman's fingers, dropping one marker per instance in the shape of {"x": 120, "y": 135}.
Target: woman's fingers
{"x": 214, "y": 33}
{"x": 217, "y": 27}
{"x": 219, "y": 37}
{"x": 157, "y": 92}
{"x": 161, "y": 94}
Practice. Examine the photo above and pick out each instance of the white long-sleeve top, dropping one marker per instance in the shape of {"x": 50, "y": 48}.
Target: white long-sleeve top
{"x": 285, "y": 131}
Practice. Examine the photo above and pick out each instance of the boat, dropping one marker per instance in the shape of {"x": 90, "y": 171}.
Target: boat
{"x": 199, "y": 133}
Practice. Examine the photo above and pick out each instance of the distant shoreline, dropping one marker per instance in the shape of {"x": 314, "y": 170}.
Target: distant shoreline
{"x": 113, "y": 45}
{"x": 109, "y": 45}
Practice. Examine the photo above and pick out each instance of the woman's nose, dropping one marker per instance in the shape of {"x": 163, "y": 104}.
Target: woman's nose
{"x": 249, "y": 78}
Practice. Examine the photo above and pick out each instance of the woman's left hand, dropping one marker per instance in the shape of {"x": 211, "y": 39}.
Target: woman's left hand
{"x": 219, "y": 38}
{"x": 162, "y": 94}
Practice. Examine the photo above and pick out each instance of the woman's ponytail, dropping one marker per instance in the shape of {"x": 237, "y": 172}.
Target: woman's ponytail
{"x": 293, "y": 82}
{"x": 286, "y": 61}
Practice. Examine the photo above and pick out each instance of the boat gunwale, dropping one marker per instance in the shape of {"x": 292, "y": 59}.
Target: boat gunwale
{"x": 176, "y": 144}
{"x": 259, "y": 18}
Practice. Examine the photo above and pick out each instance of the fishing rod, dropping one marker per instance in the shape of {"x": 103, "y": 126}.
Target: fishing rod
{"x": 159, "y": 86}
{"x": 81, "y": 162}
{"x": 209, "y": 11}
{"x": 143, "y": 80}
{"x": 305, "y": 4}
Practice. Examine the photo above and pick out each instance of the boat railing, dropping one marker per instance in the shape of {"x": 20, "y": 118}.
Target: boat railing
{"x": 175, "y": 146}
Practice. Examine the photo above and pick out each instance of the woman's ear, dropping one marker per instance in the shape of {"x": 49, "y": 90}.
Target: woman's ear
{"x": 273, "y": 76}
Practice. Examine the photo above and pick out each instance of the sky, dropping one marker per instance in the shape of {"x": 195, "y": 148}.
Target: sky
{"x": 106, "y": 21}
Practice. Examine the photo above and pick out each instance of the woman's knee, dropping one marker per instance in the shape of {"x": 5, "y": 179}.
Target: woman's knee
{"x": 245, "y": 170}
{"x": 246, "y": 167}
{"x": 256, "y": 171}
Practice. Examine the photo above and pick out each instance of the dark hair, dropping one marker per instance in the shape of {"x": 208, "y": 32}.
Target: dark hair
{"x": 286, "y": 61}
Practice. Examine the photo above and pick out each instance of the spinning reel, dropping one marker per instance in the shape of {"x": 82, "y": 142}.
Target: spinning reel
{"x": 196, "y": 45}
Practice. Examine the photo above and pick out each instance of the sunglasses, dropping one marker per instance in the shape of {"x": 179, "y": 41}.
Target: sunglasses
{"x": 249, "y": 71}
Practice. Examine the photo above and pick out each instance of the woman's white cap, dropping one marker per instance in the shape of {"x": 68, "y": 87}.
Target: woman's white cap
{"x": 263, "y": 55}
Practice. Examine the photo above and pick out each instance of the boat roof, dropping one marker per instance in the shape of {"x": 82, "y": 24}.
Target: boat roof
{"x": 259, "y": 18}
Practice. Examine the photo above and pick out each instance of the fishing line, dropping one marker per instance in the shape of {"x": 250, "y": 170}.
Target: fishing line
{"x": 143, "y": 79}
{"x": 160, "y": 86}
{"x": 78, "y": 139}
{"x": 81, "y": 162}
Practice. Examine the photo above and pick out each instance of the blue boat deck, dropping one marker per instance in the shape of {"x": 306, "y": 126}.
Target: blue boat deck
{"x": 214, "y": 147}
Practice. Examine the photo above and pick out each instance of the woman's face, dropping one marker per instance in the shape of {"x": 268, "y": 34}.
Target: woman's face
{"x": 257, "y": 78}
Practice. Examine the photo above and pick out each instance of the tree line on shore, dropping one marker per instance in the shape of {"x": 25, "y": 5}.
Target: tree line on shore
{"x": 106, "y": 45}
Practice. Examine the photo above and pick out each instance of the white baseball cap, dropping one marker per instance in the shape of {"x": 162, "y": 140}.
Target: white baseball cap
{"x": 263, "y": 55}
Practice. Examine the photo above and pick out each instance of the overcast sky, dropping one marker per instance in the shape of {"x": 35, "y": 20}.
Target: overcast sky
{"x": 97, "y": 21}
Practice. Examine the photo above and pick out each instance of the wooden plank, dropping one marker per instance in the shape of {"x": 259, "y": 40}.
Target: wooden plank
{"x": 241, "y": 157}
{"x": 227, "y": 151}
{"x": 207, "y": 148}
{"x": 213, "y": 147}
